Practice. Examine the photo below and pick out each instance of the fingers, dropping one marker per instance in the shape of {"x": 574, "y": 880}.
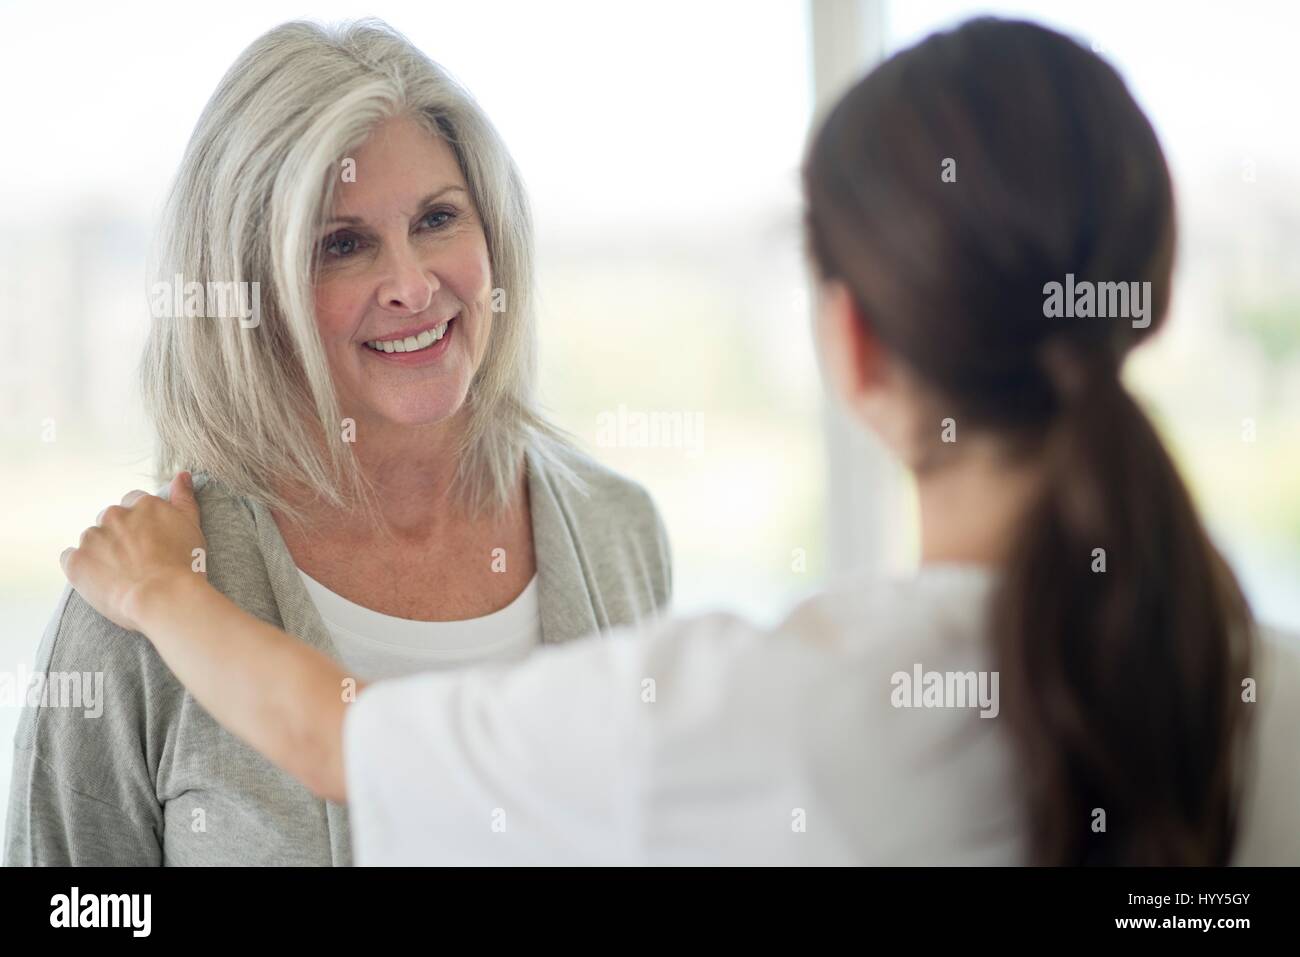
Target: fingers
{"x": 139, "y": 520}
{"x": 111, "y": 514}
{"x": 181, "y": 494}
{"x": 130, "y": 497}
{"x": 72, "y": 560}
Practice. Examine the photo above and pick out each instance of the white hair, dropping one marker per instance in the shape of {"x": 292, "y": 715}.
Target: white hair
{"x": 255, "y": 406}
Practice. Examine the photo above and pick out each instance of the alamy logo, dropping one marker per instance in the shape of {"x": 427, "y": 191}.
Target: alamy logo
{"x": 633, "y": 429}
{"x": 102, "y": 910}
{"x": 1099, "y": 300}
{"x": 946, "y": 689}
{"x": 53, "y": 689}
{"x": 211, "y": 300}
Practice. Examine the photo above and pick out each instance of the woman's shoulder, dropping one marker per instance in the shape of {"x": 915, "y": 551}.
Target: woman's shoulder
{"x": 219, "y": 507}
{"x": 87, "y": 666}
{"x": 79, "y": 639}
{"x": 240, "y": 534}
{"x": 941, "y": 605}
{"x": 614, "y": 516}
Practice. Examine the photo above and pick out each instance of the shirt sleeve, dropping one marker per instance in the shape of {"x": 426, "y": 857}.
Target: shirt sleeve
{"x": 82, "y": 793}
{"x": 49, "y": 824}
{"x": 535, "y": 764}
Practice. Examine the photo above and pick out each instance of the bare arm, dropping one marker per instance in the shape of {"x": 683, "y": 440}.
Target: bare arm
{"x": 282, "y": 697}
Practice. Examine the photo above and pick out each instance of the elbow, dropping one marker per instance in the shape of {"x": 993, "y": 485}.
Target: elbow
{"x": 327, "y": 783}
{"x": 314, "y": 753}
{"x": 319, "y": 766}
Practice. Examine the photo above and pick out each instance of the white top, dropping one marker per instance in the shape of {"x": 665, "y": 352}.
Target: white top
{"x": 375, "y": 646}
{"x": 709, "y": 741}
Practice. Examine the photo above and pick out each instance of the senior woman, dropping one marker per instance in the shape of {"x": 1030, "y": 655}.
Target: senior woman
{"x": 373, "y": 471}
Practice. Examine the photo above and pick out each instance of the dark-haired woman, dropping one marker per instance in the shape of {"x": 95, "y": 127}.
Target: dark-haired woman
{"x": 1072, "y": 676}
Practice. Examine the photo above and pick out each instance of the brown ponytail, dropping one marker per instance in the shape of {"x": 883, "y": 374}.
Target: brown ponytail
{"x": 1120, "y": 634}
{"x": 1119, "y": 637}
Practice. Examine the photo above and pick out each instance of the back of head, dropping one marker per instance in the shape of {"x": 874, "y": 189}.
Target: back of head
{"x": 1003, "y": 214}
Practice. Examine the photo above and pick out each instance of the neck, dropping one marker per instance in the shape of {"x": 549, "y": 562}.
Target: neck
{"x": 972, "y": 504}
{"x": 412, "y": 470}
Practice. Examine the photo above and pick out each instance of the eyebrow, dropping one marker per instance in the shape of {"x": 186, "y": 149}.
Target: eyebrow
{"x": 428, "y": 200}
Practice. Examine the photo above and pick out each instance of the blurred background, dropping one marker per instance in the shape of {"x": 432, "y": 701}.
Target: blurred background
{"x": 661, "y": 144}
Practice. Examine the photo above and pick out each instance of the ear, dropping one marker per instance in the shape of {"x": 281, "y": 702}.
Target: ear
{"x": 853, "y": 361}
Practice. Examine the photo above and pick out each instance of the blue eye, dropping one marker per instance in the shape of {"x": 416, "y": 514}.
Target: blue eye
{"x": 340, "y": 245}
{"x": 432, "y": 215}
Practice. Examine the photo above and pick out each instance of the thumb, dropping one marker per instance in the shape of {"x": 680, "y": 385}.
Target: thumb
{"x": 181, "y": 494}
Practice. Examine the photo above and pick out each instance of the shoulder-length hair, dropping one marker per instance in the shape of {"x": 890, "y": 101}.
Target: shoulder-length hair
{"x": 248, "y": 398}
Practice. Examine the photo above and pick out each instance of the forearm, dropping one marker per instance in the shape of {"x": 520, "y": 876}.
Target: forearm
{"x": 279, "y": 695}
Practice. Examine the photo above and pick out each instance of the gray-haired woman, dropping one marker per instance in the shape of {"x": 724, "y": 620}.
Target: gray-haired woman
{"x": 350, "y": 373}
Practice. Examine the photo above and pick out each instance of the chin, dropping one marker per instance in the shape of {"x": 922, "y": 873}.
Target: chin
{"x": 413, "y": 414}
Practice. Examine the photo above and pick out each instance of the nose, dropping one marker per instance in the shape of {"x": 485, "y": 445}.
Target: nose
{"x": 408, "y": 285}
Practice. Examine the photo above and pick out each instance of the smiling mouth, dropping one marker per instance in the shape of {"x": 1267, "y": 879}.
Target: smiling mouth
{"x": 417, "y": 343}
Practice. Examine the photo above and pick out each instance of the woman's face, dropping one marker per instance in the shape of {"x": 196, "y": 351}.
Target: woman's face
{"x": 402, "y": 259}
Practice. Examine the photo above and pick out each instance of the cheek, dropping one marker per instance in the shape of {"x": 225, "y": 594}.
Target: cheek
{"x": 470, "y": 278}
{"x": 338, "y": 303}
{"x": 470, "y": 275}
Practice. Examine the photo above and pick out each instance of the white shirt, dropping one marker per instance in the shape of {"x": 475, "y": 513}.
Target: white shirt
{"x": 376, "y": 646}
{"x": 709, "y": 741}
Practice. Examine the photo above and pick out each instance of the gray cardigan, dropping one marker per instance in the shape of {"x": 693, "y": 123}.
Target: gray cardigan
{"x": 154, "y": 780}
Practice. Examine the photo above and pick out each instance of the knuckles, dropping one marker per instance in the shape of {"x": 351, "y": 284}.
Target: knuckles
{"x": 113, "y": 515}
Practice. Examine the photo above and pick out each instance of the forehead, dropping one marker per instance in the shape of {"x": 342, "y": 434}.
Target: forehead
{"x": 396, "y": 166}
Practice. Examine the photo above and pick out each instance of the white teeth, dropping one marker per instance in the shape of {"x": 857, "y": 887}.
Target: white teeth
{"x": 410, "y": 343}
